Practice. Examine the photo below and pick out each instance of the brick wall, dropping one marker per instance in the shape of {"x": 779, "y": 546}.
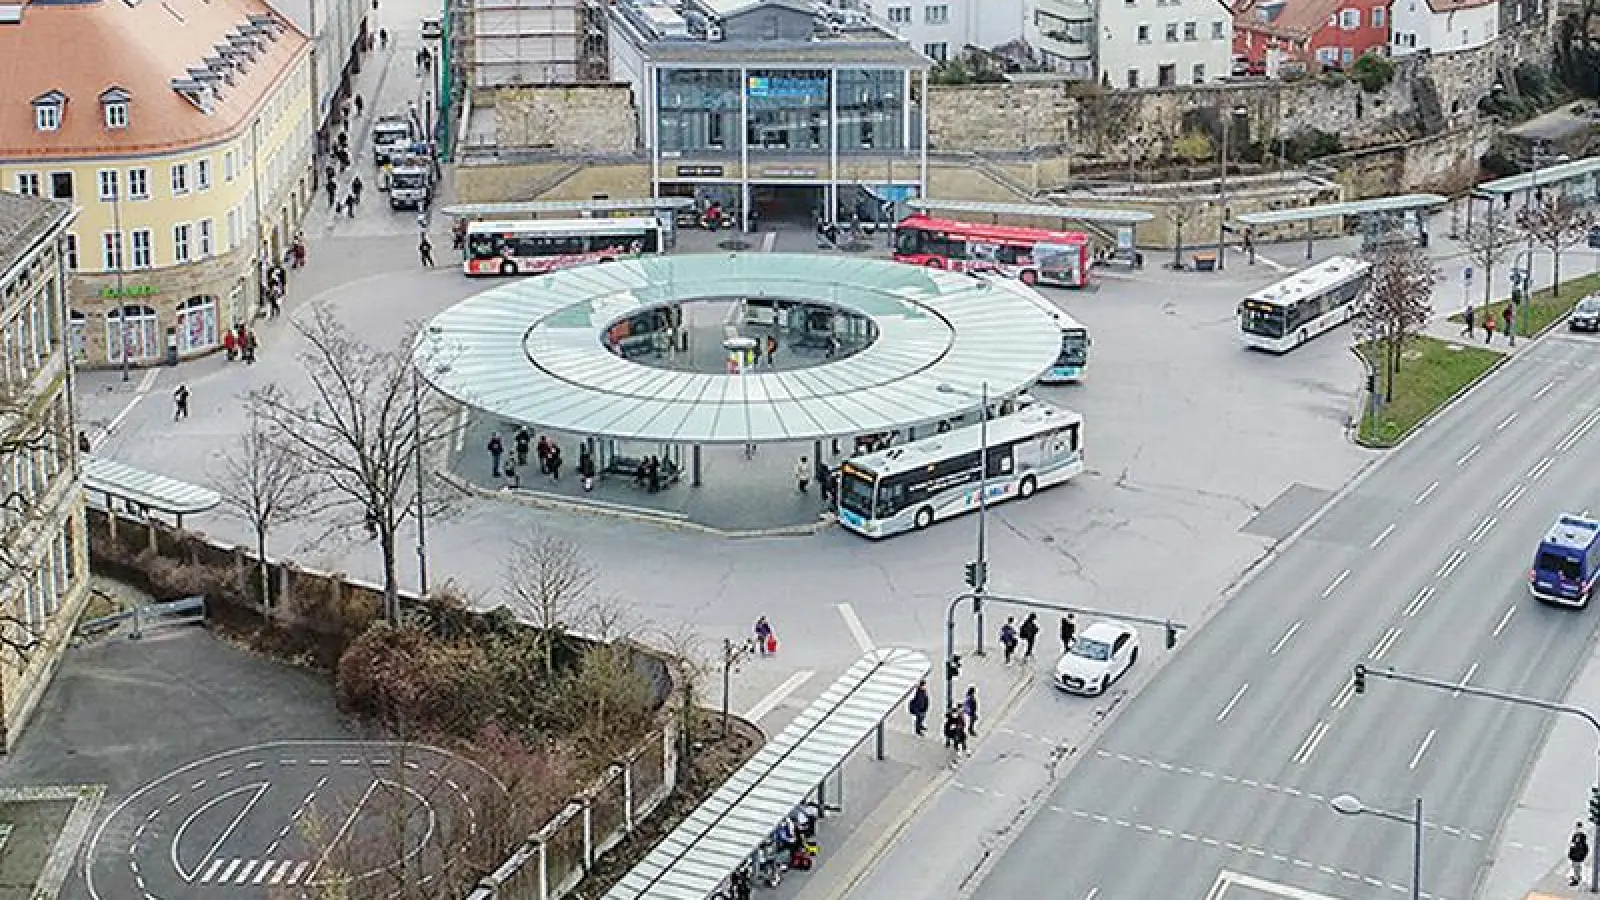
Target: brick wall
{"x": 569, "y": 119}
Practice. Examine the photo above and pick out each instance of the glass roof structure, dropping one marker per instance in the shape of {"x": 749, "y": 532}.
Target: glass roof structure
{"x": 147, "y": 489}
{"x": 532, "y": 351}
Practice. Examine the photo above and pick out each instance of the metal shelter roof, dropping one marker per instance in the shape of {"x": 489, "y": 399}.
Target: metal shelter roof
{"x": 533, "y": 351}
{"x": 1040, "y": 210}
{"x": 152, "y": 491}
{"x": 1546, "y": 176}
{"x": 573, "y": 207}
{"x": 1402, "y": 203}
{"x": 694, "y": 860}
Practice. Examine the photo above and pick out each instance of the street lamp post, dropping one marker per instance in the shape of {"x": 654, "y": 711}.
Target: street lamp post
{"x": 1222, "y": 186}
{"x": 978, "y": 571}
{"x": 416, "y": 439}
{"x": 1361, "y": 673}
{"x": 122, "y": 303}
{"x": 1349, "y": 805}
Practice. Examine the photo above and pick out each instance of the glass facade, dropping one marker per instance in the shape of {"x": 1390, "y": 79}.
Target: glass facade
{"x": 789, "y": 110}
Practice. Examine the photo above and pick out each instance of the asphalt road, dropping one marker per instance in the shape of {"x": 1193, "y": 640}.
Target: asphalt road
{"x": 1225, "y": 763}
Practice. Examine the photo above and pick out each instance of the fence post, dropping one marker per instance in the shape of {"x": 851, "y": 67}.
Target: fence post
{"x": 588, "y": 833}
{"x": 544, "y": 871}
{"x": 627, "y": 794}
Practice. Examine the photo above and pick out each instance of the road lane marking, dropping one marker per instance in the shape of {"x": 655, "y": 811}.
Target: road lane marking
{"x": 1385, "y": 644}
{"x": 1545, "y": 390}
{"x": 1236, "y": 695}
{"x": 1093, "y": 893}
{"x": 1512, "y": 497}
{"x": 1483, "y": 528}
{"x": 1577, "y": 433}
{"x": 1467, "y": 457}
{"x": 1510, "y": 611}
{"x": 1284, "y": 640}
{"x": 1343, "y": 697}
{"x": 1428, "y": 492}
{"x": 1466, "y": 679}
{"x": 1505, "y": 422}
{"x": 1309, "y": 745}
{"x": 1419, "y": 601}
{"x": 1422, "y": 748}
{"x": 857, "y": 630}
{"x": 1541, "y": 467}
{"x": 778, "y": 695}
{"x": 1381, "y": 536}
{"x": 1449, "y": 565}
{"x": 1335, "y": 585}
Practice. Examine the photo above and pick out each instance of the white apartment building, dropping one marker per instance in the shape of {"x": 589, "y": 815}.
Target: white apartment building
{"x": 942, "y": 28}
{"x": 1442, "y": 26}
{"x": 1163, "y": 43}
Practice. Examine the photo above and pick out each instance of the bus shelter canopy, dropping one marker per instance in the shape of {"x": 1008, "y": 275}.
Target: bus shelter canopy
{"x": 1399, "y": 204}
{"x": 1548, "y": 176}
{"x": 725, "y": 830}
{"x": 1037, "y": 210}
{"x": 533, "y": 351}
{"x": 569, "y": 208}
{"x": 146, "y": 489}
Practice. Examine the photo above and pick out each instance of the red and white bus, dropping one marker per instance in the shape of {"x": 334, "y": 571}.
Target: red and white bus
{"x": 1034, "y": 255}
{"x": 535, "y": 246}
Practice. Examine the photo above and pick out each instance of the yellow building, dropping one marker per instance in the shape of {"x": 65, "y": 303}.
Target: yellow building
{"x": 182, "y": 129}
{"x": 44, "y": 564}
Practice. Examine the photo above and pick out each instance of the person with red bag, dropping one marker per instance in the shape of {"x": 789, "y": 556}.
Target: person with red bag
{"x": 766, "y": 641}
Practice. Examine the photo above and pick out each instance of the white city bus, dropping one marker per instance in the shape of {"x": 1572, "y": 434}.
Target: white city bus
{"x": 1295, "y": 310}
{"x": 916, "y": 484}
{"x": 535, "y": 246}
{"x": 1073, "y": 357}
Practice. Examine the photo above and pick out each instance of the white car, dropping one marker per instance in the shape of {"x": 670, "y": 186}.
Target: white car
{"x": 1100, "y": 655}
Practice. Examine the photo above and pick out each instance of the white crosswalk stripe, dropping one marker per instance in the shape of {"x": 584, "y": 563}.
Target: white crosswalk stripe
{"x": 254, "y": 871}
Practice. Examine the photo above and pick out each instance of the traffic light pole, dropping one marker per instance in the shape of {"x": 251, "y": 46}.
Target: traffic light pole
{"x": 952, "y": 662}
{"x": 1361, "y": 672}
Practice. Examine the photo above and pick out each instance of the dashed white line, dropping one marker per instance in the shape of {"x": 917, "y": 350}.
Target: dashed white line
{"x": 1093, "y": 893}
{"x": 1449, "y": 565}
{"x": 1512, "y": 497}
{"x": 1419, "y": 601}
{"x": 1506, "y": 422}
{"x": 1541, "y": 467}
{"x": 1483, "y": 529}
{"x": 1385, "y": 643}
{"x": 1422, "y": 748}
{"x": 1237, "y": 694}
{"x": 1467, "y": 457}
{"x": 1335, "y": 585}
{"x": 1510, "y": 611}
{"x": 1466, "y": 679}
{"x": 1428, "y": 492}
{"x": 1309, "y": 745}
{"x": 1544, "y": 390}
{"x": 1345, "y": 693}
{"x": 1576, "y": 434}
{"x": 852, "y": 622}
{"x": 1284, "y": 640}
{"x": 1382, "y": 535}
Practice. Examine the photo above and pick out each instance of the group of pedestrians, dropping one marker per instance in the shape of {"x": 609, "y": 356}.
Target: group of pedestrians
{"x": 1011, "y": 636}
{"x": 548, "y": 453}
{"x": 960, "y": 721}
{"x": 1471, "y": 322}
{"x": 240, "y": 342}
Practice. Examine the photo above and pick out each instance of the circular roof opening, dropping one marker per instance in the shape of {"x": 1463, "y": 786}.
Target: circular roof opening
{"x": 731, "y": 335}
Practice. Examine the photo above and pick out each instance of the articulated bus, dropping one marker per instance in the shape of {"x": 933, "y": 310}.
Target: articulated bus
{"x": 1285, "y": 315}
{"x": 1031, "y": 255}
{"x": 916, "y": 484}
{"x": 1073, "y": 357}
{"x": 536, "y": 246}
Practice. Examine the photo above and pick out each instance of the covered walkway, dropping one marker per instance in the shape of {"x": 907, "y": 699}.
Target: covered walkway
{"x": 698, "y": 857}
{"x": 1374, "y": 214}
{"x": 144, "y": 492}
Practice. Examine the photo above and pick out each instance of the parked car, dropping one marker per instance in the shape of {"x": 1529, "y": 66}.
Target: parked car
{"x": 1586, "y": 315}
{"x": 1100, "y": 654}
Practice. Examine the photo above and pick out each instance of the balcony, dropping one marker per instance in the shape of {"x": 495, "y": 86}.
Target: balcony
{"x": 1067, "y": 11}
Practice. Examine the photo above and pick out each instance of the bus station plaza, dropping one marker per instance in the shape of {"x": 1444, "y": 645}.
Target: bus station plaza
{"x": 668, "y": 357}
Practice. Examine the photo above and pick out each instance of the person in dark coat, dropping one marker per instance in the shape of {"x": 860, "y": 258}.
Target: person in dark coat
{"x": 1577, "y": 852}
{"x": 555, "y": 462}
{"x": 523, "y": 440}
{"x": 919, "y": 707}
{"x": 969, "y": 707}
{"x": 1029, "y": 633}
{"x": 955, "y": 733}
{"x": 1069, "y": 630}
{"x": 586, "y": 467}
{"x": 495, "y": 448}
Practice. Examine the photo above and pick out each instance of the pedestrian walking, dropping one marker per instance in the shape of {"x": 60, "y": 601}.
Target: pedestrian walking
{"x": 522, "y": 440}
{"x": 1069, "y": 630}
{"x": 180, "y": 403}
{"x": 1467, "y": 320}
{"x": 1008, "y": 637}
{"x": 772, "y": 349}
{"x": 919, "y": 707}
{"x": 350, "y": 204}
{"x": 802, "y": 474}
{"x": 1577, "y": 852}
{"x": 763, "y": 632}
{"x": 247, "y": 345}
{"x": 555, "y": 462}
{"x": 1029, "y": 633}
{"x": 83, "y": 442}
{"x": 969, "y": 706}
{"x": 425, "y": 250}
{"x": 495, "y": 449}
{"x": 586, "y": 467}
{"x": 383, "y": 38}
{"x": 333, "y": 193}
{"x": 955, "y": 734}
{"x": 359, "y": 104}
{"x": 1507, "y": 315}
{"x": 230, "y": 346}
{"x": 356, "y": 186}
{"x": 544, "y": 455}
{"x": 1488, "y": 327}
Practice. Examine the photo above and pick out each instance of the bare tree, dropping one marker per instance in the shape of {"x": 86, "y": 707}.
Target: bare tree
{"x": 548, "y": 584}
{"x": 263, "y": 481}
{"x": 1488, "y": 240}
{"x": 358, "y": 436}
{"x": 1179, "y": 214}
{"x": 1397, "y": 304}
{"x": 1555, "y": 224}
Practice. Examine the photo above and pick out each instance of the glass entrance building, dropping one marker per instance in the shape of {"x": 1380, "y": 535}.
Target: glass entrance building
{"x": 775, "y": 108}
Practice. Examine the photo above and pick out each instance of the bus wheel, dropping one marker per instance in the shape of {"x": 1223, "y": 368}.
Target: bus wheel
{"x": 1028, "y": 486}
{"x": 924, "y": 517}
{"x": 1030, "y": 277}
{"x": 508, "y": 268}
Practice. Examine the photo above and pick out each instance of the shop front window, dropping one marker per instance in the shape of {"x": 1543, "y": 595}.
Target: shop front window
{"x": 78, "y": 335}
{"x": 135, "y": 330}
{"x": 197, "y": 324}
{"x": 788, "y": 109}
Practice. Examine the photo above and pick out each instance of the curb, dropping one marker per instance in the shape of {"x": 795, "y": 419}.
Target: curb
{"x": 1442, "y": 408}
{"x": 678, "y": 521}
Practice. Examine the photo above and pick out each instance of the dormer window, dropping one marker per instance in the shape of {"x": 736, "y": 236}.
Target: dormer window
{"x": 114, "y": 101}
{"x": 47, "y": 110}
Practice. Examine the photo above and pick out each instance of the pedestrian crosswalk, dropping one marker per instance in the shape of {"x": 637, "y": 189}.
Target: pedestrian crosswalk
{"x": 254, "y": 871}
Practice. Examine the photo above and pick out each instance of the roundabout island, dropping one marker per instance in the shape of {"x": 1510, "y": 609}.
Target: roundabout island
{"x": 721, "y": 358}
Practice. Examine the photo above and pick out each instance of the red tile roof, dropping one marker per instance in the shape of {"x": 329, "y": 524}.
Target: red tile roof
{"x": 84, "y": 50}
{"x": 1299, "y": 19}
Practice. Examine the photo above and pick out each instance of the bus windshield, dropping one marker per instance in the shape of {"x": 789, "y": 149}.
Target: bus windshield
{"x": 406, "y": 180}
{"x": 1262, "y": 319}
{"x": 855, "y": 493}
{"x": 1074, "y": 348}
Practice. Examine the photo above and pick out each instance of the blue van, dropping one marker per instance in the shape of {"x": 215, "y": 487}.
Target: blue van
{"x": 1569, "y": 556}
